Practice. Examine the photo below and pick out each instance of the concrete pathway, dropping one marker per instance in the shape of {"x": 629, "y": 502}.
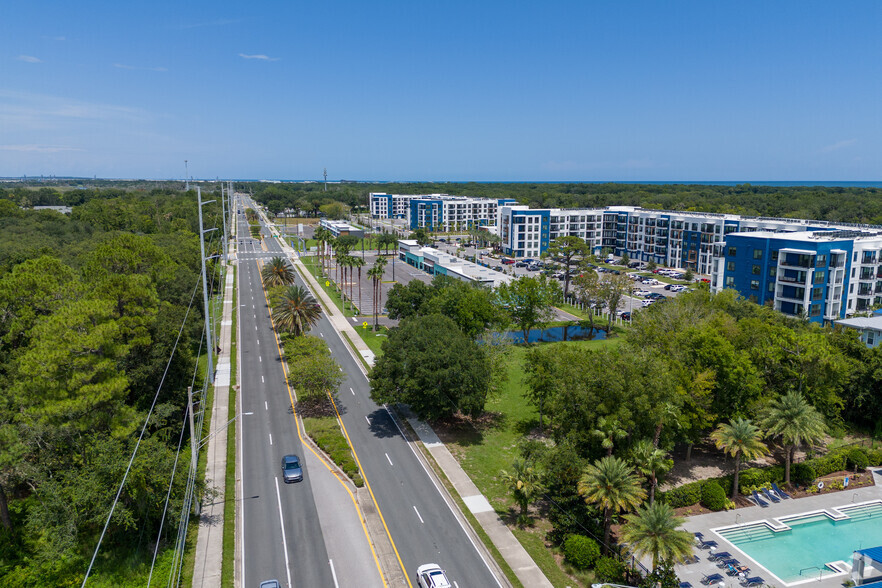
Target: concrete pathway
{"x": 209, "y": 541}
{"x": 511, "y": 549}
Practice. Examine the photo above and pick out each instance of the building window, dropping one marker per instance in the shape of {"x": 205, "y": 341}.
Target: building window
{"x": 730, "y": 266}
{"x": 821, "y": 261}
{"x": 730, "y": 282}
{"x": 773, "y": 272}
{"x": 757, "y": 253}
{"x": 771, "y": 286}
{"x": 871, "y": 338}
{"x": 817, "y": 293}
{"x": 774, "y": 256}
{"x": 754, "y": 284}
{"x": 753, "y": 298}
{"x": 819, "y": 277}
{"x": 757, "y": 270}
{"x": 731, "y": 252}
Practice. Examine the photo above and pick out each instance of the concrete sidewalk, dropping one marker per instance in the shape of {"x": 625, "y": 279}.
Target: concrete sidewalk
{"x": 511, "y": 549}
{"x": 209, "y": 541}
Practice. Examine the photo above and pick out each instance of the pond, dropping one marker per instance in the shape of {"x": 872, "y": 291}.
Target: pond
{"x": 553, "y": 334}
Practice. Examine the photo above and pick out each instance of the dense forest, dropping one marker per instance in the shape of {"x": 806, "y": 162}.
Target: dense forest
{"x": 99, "y": 325}
{"x": 849, "y": 205}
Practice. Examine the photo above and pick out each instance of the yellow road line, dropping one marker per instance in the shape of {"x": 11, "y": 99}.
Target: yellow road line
{"x": 321, "y": 458}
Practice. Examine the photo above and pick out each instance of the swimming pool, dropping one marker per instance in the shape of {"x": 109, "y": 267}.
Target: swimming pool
{"x": 798, "y": 548}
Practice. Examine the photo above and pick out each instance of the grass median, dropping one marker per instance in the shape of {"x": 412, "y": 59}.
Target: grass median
{"x": 325, "y": 431}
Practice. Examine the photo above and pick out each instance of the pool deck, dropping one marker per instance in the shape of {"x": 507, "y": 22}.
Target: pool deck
{"x": 693, "y": 573}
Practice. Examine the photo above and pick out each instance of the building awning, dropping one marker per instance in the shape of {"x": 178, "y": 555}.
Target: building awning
{"x": 874, "y": 553}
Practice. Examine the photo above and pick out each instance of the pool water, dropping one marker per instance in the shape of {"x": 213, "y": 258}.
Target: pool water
{"x": 812, "y": 541}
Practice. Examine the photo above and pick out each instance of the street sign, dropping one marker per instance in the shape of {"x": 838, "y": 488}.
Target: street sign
{"x": 364, "y": 325}
{"x": 327, "y": 283}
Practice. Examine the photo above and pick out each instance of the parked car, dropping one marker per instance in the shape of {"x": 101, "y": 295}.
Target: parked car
{"x": 649, "y": 282}
{"x": 270, "y": 584}
{"x": 626, "y": 316}
{"x": 520, "y": 264}
{"x": 432, "y": 576}
{"x": 647, "y": 302}
{"x": 654, "y": 296}
{"x": 291, "y": 469}
{"x": 642, "y": 293}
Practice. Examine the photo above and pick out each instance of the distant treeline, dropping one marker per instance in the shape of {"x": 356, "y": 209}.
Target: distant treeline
{"x": 850, "y": 205}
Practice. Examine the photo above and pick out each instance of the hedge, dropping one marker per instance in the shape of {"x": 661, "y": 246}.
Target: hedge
{"x": 609, "y": 570}
{"x": 581, "y": 551}
{"x": 713, "y": 496}
{"x": 857, "y": 459}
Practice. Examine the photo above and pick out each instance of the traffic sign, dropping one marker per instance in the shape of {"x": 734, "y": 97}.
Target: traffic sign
{"x": 327, "y": 283}
{"x": 364, "y": 325}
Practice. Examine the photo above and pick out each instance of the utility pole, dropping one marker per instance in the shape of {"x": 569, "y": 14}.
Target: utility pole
{"x": 208, "y": 333}
{"x": 186, "y": 176}
{"x": 326, "y": 179}
{"x": 224, "y": 220}
{"x": 194, "y": 448}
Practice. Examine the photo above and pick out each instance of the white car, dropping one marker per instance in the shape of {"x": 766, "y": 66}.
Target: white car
{"x": 642, "y": 293}
{"x": 650, "y": 281}
{"x": 432, "y": 576}
{"x": 646, "y": 303}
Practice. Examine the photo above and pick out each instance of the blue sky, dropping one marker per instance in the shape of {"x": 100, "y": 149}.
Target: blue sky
{"x": 478, "y": 90}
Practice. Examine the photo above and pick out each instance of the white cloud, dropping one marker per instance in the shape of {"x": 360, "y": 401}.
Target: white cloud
{"x": 124, "y": 66}
{"x": 23, "y": 111}
{"x": 37, "y": 148}
{"x": 838, "y": 145}
{"x": 29, "y": 59}
{"x": 258, "y": 56}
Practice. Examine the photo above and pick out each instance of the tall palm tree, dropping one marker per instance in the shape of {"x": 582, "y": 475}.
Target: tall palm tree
{"x": 610, "y": 483}
{"x": 277, "y": 272}
{"x": 608, "y": 431}
{"x": 358, "y": 263}
{"x": 794, "y": 421}
{"x": 321, "y": 236}
{"x": 295, "y": 310}
{"x": 653, "y": 530}
{"x": 652, "y": 462}
{"x": 740, "y": 438}
{"x": 376, "y": 275}
{"x": 525, "y": 483}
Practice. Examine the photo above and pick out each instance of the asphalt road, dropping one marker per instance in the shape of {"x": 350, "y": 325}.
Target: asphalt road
{"x": 423, "y": 526}
{"x": 282, "y": 535}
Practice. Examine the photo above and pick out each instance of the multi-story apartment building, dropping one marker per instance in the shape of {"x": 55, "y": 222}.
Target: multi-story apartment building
{"x": 670, "y": 238}
{"x": 438, "y": 211}
{"x": 822, "y": 275}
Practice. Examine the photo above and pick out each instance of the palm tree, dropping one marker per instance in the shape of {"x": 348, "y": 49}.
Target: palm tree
{"x": 739, "y": 438}
{"x": 608, "y": 431}
{"x": 525, "y": 485}
{"x": 653, "y": 530}
{"x": 794, "y": 421}
{"x": 277, "y": 273}
{"x": 610, "y": 483}
{"x": 322, "y": 236}
{"x": 376, "y": 275}
{"x": 358, "y": 262}
{"x": 652, "y": 462}
{"x": 295, "y": 310}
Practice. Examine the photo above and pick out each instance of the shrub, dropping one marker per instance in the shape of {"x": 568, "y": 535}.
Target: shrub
{"x": 857, "y": 459}
{"x": 685, "y": 495}
{"x": 750, "y": 478}
{"x": 581, "y": 551}
{"x": 713, "y": 496}
{"x": 832, "y": 462}
{"x": 802, "y": 473}
{"x": 875, "y": 457}
{"x": 609, "y": 570}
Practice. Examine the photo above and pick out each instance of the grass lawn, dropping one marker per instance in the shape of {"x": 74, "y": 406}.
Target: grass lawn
{"x": 373, "y": 339}
{"x": 325, "y": 431}
{"x": 485, "y": 451}
{"x": 229, "y": 541}
{"x": 312, "y": 265}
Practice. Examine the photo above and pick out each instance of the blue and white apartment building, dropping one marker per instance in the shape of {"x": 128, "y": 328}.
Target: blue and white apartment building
{"x": 439, "y": 211}
{"x": 816, "y": 269}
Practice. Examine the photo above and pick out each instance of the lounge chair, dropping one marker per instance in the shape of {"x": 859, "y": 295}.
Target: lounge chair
{"x": 737, "y": 569}
{"x": 759, "y": 500}
{"x": 725, "y": 563}
{"x": 685, "y": 585}
{"x": 769, "y": 495}
{"x": 702, "y": 544}
{"x": 779, "y": 492}
{"x": 719, "y": 555}
{"x": 751, "y": 582}
{"x": 691, "y": 559}
{"x": 711, "y": 579}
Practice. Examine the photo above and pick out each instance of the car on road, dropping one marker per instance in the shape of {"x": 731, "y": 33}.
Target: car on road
{"x": 626, "y": 316}
{"x": 292, "y": 471}
{"x": 432, "y": 576}
{"x": 270, "y": 584}
{"x": 642, "y": 293}
{"x": 647, "y": 302}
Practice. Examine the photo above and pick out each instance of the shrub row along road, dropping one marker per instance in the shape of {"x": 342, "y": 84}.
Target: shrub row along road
{"x": 423, "y": 525}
